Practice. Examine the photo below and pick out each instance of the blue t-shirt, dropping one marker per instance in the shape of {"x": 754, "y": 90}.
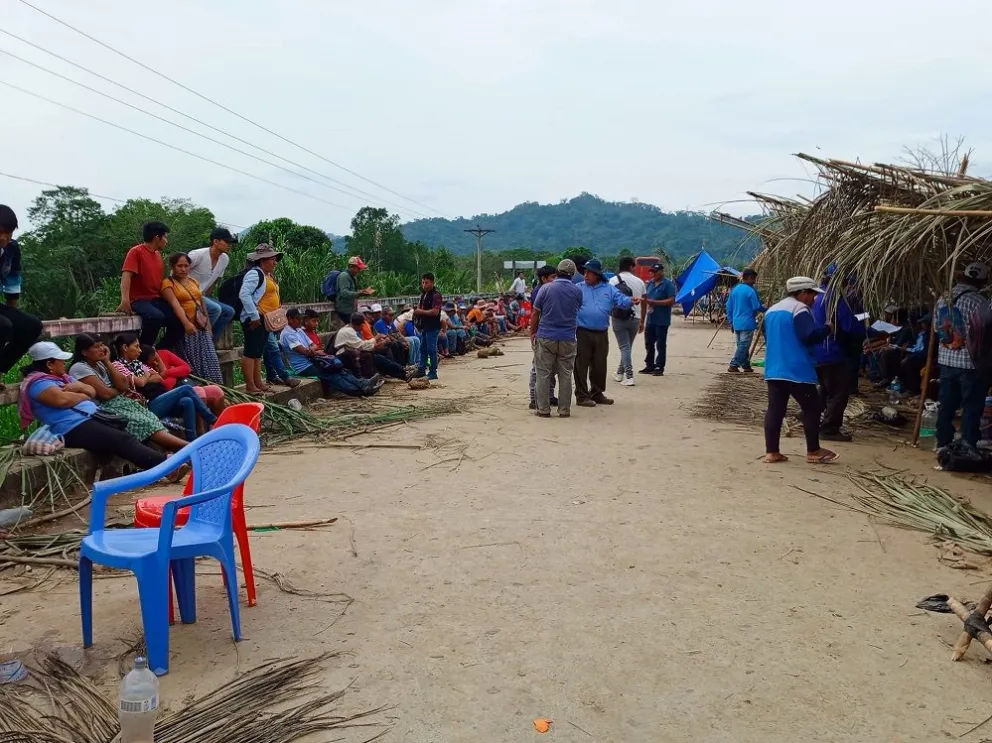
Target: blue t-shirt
{"x": 291, "y": 338}
{"x": 664, "y": 289}
{"x": 383, "y": 328}
{"x": 598, "y": 302}
{"x": 60, "y": 420}
{"x": 558, "y": 303}
{"x": 742, "y": 306}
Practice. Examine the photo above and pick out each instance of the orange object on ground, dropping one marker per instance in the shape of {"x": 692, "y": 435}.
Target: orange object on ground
{"x": 542, "y": 724}
{"x": 148, "y": 511}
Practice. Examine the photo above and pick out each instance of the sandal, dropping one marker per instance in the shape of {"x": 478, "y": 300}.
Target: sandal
{"x": 775, "y": 458}
{"x": 179, "y": 473}
{"x": 824, "y": 456}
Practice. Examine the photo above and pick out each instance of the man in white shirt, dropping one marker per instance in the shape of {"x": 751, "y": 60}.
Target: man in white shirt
{"x": 627, "y": 323}
{"x": 207, "y": 266}
{"x": 519, "y": 285}
{"x": 364, "y": 357}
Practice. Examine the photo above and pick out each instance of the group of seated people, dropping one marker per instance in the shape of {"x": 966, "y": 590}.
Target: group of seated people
{"x": 901, "y": 354}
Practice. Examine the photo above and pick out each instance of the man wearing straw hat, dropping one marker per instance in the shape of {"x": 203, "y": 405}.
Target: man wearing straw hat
{"x": 791, "y": 332}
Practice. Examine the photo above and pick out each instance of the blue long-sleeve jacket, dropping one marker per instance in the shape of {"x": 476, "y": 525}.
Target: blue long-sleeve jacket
{"x": 598, "y": 302}
{"x": 848, "y": 332}
{"x": 743, "y": 305}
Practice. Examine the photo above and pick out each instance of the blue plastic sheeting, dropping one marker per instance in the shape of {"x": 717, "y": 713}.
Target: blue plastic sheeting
{"x": 697, "y": 280}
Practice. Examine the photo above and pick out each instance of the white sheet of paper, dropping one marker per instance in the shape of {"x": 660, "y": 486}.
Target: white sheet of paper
{"x": 862, "y": 317}
{"x": 885, "y": 327}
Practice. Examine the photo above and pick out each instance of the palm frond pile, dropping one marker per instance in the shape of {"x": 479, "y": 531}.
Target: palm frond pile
{"x": 279, "y": 701}
{"x": 903, "y": 231}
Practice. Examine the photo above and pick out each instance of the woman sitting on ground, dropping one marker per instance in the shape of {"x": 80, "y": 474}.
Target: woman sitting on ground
{"x": 174, "y": 370}
{"x": 116, "y": 394}
{"x": 184, "y": 296}
{"x": 67, "y": 407}
{"x": 181, "y": 401}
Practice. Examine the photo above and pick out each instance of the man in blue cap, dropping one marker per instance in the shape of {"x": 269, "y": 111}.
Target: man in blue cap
{"x": 599, "y": 299}
{"x": 659, "y": 296}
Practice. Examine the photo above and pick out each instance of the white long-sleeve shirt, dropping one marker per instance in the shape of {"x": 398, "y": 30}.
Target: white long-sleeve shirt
{"x": 348, "y": 337}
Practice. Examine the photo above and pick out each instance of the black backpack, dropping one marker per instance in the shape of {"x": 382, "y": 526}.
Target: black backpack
{"x": 618, "y": 313}
{"x": 230, "y": 291}
{"x": 980, "y": 337}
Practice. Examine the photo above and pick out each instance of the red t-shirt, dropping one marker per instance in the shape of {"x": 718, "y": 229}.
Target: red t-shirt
{"x": 175, "y": 369}
{"x": 148, "y": 269}
{"x": 315, "y": 339}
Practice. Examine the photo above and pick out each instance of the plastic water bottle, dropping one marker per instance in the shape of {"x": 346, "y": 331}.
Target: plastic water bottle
{"x": 14, "y": 516}
{"x": 138, "y": 704}
{"x": 295, "y": 404}
{"x": 895, "y": 391}
{"x": 928, "y": 426}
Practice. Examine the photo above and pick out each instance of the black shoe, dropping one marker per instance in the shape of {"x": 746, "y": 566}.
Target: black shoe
{"x": 554, "y": 401}
{"x": 658, "y": 373}
{"x": 836, "y": 436}
{"x": 647, "y": 370}
{"x": 585, "y": 403}
{"x": 603, "y": 400}
{"x": 541, "y": 414}
{"x": 532, "y": 406}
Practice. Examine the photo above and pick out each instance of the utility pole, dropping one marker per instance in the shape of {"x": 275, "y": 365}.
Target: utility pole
{"x": 479, "y": 233}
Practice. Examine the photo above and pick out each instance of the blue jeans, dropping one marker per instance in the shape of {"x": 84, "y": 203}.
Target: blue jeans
{"x": 625, "y": 332}
{"x": 415, "y": 344}
{"x": 428, "y": 352}
{"x": 964, "y": 388}
{"x": 183, "y": 401}
{"x": 275, "y": 367}
{"x": 744, "y": 338}
{"x": 220, "y": 315}
{"x": 656, "y": 343}
{"x": 341, "y": 381}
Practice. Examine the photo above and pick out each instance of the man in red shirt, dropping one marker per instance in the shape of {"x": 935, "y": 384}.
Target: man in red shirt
{"x": 141, "y": 286}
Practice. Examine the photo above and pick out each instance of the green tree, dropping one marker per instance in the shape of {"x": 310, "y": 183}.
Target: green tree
{"x": 376, "y": 236}
{"x": 294, "y": 236}
{"x": 189, "y": 224}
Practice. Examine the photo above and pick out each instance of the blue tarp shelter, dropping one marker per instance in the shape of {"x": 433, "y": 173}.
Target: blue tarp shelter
{"x": 697, "y": 280}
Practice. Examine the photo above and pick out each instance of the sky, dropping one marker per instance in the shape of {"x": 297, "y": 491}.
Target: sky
{"x": 460, "y": 108}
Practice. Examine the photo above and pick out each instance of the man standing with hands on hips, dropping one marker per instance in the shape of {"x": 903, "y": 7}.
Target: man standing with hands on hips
{"x": 659, "y": 297}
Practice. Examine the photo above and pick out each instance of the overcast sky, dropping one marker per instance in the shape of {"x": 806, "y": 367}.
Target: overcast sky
{"x": 473, "y": 107}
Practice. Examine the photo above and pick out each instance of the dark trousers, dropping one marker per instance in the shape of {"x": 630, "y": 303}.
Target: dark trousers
{"x": 590, "y": 363}
{"x": 339, "y": 381}
{"x": 385, "y": 365}
{"x": 779, "y": 392}
{"x": 965, "y": 389}
{"x": 18, "y": 330}
{"x": 106, "y": 440}
{"x": 912, "y": 372}
{"x": 656, "y": 345}
{"x": 835, "y": 391}
{"x": 359, "y": 363}
{"x": 156, "y": 314}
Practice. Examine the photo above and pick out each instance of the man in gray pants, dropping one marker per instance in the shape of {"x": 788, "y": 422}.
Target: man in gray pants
{"x": 627, "y": 323}
{"x": 552, "y": 329}
{"x": 545, "y": 275}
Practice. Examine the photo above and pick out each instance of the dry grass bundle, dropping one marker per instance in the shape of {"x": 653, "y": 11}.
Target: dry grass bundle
{"x": 276, "y": 702}
{"x": 901, "y": 501}
{"x": 903, "y": 231}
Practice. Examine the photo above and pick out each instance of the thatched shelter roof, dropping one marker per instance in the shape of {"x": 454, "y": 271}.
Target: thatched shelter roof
{"x": 904, "y": 232}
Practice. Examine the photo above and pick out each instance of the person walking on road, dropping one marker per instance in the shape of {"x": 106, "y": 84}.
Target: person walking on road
{"x": 629, "y": 322}
{"x": 553, "y": 333}
{"x": 519, "y": 285}
{"x": 791, "y": 332}
{"x": 659, "y": 298}
{"x": 599, "y": 300}
{"x": 743, "y": 306}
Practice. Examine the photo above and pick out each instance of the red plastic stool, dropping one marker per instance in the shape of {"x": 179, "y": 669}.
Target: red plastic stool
{"x": 148, "y": 511}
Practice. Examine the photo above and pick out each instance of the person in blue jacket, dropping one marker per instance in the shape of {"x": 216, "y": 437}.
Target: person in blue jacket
{"x": 743, "y": 306}
{"x": 599, "y": 298}
{"x": 791, "y": 334}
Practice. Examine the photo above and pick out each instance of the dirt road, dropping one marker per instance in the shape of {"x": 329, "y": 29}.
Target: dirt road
{"x": 632, "y": 573}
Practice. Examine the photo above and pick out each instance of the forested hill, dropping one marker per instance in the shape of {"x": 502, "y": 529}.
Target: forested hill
{"x": 605, "y": 227}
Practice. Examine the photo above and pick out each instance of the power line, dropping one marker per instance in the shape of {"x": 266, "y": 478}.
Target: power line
{"x": 158, "y": 103}
{"x": 94, "y": 195}
{"x": 172, "y": 146}
{"x": 228, "y": 110}
{"x": 180, "y": 126}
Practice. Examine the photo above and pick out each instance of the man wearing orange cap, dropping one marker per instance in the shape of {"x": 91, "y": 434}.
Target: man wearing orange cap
{"x": 346, "y": 300}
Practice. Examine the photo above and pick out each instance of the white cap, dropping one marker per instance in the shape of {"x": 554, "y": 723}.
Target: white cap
{"x": 801, "y": 283}
{"x": 364, "y": 308}
{"x": 377, "y": 308}
{"x": 977, "y": 271}
{"x": 45, "y": 350}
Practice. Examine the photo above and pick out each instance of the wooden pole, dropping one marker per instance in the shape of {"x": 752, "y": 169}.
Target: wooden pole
{"x": 718, "y": 329}
{"x": 964, "y": 640}
{"x": 981, "y": 632}
{"x": 925, "y": 384}
{"x": 979, "y": 213}
{"x": 757, "y": 338}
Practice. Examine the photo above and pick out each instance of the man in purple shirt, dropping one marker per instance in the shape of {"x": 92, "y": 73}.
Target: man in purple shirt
{"x": 552, "y": 330}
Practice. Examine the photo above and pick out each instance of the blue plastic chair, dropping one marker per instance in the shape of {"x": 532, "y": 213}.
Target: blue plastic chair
{"x": 223, "y": 459}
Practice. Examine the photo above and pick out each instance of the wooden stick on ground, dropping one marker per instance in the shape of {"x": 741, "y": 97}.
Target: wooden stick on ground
{"x": 718, "y": 329}
{"x": 53, "y": 516}
{"x": 25, "y": 560}
{"x": 964, "y": 639}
